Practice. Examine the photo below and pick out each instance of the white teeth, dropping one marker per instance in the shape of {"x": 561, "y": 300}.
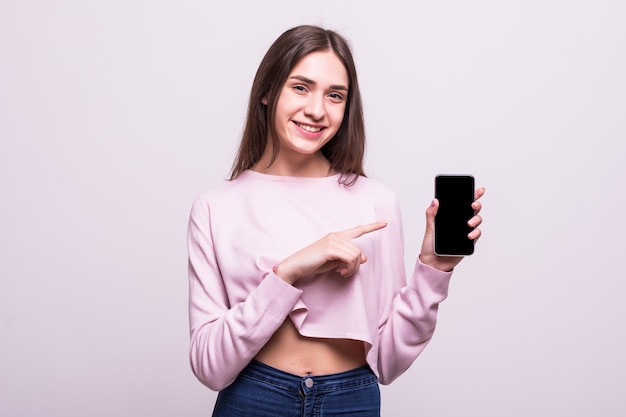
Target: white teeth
{"x": 309, "y": 128}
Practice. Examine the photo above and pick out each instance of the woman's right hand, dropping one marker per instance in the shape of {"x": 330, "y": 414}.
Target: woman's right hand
{"x": 333, "y": 251}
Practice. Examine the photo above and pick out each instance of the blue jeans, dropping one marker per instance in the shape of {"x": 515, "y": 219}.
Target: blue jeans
{"x": 263, "y": 391}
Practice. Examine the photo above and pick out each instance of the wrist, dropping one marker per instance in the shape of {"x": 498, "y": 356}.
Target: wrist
{"x": 442, "y": 263}
{"x": 283, "y": 275}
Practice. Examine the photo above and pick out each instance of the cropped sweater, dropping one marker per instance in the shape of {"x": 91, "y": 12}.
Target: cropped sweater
{"x": 240, "y": 230}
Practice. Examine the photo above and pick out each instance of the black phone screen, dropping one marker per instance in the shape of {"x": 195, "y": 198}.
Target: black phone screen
{"x": 456, "y": 195}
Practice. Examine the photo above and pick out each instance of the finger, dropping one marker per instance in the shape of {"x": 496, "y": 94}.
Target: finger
{"x": 477, "y": 206}
{"x": 344, "y": 272}
{"x": 431, "y": 212}
{"x": 474, "y": 235}
{"x": 349, "y": 269}
{"x": 329, "y": 266}
{"x": 352, "y": 268}
{"x": 479, "y": 193}
{"x": 475, "y": 221}
{"x": 345, "y": 253}
{"x": 358, "y": 231}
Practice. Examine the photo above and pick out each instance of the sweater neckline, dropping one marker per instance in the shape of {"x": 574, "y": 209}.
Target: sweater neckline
{"x": 286, "y": 178}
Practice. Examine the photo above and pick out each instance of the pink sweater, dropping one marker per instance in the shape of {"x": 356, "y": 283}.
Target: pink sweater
{"x": 240, "y": 230}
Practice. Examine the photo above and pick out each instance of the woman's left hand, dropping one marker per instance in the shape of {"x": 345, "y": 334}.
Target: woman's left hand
{"x": 447, "y": 263}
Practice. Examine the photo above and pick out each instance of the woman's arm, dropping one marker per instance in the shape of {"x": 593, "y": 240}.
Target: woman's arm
{"x": 224, "y": 337}
{"x": 409, "y": 318}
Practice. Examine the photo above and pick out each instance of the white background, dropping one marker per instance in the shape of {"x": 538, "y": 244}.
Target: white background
{"x": 115, "y": 114}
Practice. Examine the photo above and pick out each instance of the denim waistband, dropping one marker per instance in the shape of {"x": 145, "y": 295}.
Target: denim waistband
{"x": 332, "y": 382}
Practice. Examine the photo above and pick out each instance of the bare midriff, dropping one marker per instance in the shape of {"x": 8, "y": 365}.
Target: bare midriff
{"x": 291, "y": 352}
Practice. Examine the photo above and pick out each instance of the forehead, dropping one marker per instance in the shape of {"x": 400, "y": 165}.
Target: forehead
{"x": 323, "y": 67}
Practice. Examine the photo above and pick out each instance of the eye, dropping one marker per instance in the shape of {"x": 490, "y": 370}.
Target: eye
{"x": 300, "y": 88}
{"x": 336, "y": 97}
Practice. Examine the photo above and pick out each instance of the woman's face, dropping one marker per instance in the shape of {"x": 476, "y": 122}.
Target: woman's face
{"x": 311, "y": 105}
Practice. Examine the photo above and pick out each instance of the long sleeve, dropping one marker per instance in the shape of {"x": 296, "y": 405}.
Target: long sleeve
{"x": 224, "y": 338}
{"x": 409, "y": 310}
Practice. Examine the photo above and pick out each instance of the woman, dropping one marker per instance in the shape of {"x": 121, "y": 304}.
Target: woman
{"x": 299, "y": 304}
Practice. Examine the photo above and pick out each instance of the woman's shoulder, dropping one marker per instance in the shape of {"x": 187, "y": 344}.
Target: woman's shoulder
{"x": 375, "y": 187}
{"x": 224, "y": 190}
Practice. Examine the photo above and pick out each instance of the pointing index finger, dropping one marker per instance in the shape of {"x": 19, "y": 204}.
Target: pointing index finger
{"x": 363, "y": 229}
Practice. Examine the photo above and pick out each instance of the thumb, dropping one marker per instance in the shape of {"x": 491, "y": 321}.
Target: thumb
{"x": 431, "y": 212}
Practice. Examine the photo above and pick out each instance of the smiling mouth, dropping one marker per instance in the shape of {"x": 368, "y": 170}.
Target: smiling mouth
{"x": 308, "y": 128}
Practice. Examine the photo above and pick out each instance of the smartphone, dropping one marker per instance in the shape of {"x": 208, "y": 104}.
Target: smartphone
{"x": 456, "y": 195}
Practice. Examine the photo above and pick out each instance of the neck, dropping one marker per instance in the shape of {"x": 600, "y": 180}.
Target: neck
{"x": 314, "y": 165}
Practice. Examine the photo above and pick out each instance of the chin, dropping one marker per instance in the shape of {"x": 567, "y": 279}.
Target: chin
{"x": 307, "y": 148}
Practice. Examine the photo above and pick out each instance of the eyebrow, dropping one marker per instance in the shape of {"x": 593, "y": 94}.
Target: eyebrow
{"x": 310, "y": 81}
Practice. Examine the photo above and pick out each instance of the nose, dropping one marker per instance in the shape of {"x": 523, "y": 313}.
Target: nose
{"x": 315, "y": 107}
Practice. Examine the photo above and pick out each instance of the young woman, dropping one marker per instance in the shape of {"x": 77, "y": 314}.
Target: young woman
{"x": 299, "y": 303}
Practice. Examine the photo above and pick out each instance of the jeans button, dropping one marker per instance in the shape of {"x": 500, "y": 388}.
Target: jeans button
{"x": 308, "y": 382}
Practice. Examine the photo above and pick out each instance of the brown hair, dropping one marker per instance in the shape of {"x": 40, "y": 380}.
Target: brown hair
{"x": 346, "y": 149}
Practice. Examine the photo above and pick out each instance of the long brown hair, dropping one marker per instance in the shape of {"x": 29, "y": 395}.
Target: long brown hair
{"x": 346, "y": 149}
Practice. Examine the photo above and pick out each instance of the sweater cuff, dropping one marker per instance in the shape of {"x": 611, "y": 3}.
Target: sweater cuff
{"x": 279, "y": 297}
{"x": 430, "y": 281}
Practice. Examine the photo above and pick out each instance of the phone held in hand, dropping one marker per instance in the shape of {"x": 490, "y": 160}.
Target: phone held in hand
{"x": 456, "y": 195}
